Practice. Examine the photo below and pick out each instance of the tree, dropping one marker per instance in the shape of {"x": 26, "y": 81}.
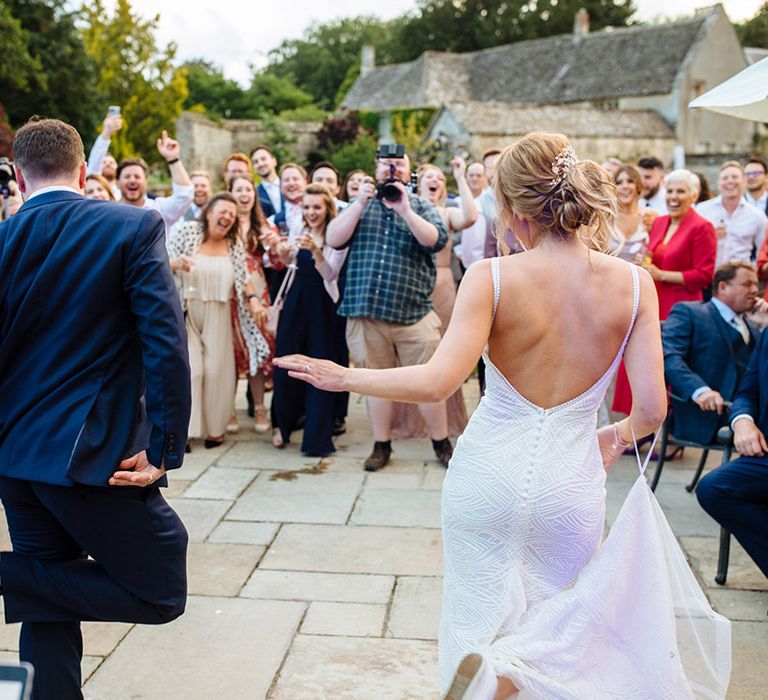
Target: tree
{"x": 319, "y": 62}
{"x": 219, "y": 97}
{"x": 272, "y": 94}
{"x": 136, "y": 74}
{"x": 487, "y": 23}
{"x": 50, "y": 71}
{"x": 754, "y": 32}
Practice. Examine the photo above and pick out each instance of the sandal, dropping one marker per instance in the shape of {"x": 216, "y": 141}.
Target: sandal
{"x": 233, "y": 426}
{"x": 261, "y": 422}
{"x": 277, "y": 439}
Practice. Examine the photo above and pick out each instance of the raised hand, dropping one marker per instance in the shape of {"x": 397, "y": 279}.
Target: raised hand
{"x": 459, "y": 167}
{"x": 110, "y": 125}
{"x": 168, "y": 148}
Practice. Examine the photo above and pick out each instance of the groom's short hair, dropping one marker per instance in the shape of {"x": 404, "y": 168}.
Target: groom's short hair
{"x": 46, "y": 148}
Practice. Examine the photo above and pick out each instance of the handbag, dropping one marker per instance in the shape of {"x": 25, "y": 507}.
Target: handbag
{"x": 274, "y": 309}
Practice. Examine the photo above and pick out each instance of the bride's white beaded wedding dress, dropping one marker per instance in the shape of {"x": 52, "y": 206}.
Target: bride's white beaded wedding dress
{"x": 530, "y": 583}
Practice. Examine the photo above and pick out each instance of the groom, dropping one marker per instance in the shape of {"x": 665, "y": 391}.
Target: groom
{"x": 94, "y": 407}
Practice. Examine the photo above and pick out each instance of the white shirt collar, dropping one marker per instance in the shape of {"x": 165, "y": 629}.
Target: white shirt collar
{"x": 52, "y": 188}
{"x": 726, "y": 311}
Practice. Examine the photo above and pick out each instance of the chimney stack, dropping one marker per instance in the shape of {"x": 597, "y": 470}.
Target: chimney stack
{"x": 367, "y": 59}
{"x": 581, "y": 24}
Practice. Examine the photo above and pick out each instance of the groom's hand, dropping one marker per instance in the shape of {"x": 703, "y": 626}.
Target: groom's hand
{"x": 136, "y": 471}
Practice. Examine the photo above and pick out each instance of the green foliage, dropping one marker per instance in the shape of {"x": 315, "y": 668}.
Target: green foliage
{"x": 320, "y": 61}
{"x": 279, "y": 139}
{"x": 307, "y": 113}
{"x": 487, "y": 23}
{"x": 24, "y": 71}
{"x": 44, "y": 68}
{"x": 136, "y": 74}
{"x": 270, "y": 93}
{"x": 212, "y": 94}
{"x": 754, "y": 31}
{"x": 358, "y": 154}
{"x": 6, "y": 135}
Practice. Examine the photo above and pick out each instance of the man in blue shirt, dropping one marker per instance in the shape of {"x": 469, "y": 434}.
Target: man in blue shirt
{"x": 390, "y": 275}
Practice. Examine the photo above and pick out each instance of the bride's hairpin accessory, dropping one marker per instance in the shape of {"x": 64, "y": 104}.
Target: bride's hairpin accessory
{"x": 565, "y": 160}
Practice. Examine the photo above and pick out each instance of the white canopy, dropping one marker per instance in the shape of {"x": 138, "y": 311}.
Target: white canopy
{"x": 745, "y": 95}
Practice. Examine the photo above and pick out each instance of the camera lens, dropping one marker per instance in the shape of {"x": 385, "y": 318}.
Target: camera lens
{"x": 390, "y": 192}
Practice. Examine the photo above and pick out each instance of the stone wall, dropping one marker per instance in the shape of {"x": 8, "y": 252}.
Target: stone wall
{"x": 205, "y": 144}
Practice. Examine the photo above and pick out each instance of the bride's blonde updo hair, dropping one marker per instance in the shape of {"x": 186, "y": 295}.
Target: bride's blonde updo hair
{"x": 539, "y": 178}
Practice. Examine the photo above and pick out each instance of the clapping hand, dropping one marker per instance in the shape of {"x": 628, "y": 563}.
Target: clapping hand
{"x": 136, "y": 471}
{"x": 258, "y": 311}
{"x": 168, "y": 148}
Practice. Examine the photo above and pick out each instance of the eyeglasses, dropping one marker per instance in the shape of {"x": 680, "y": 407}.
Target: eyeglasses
{"x": 753, "y": 173}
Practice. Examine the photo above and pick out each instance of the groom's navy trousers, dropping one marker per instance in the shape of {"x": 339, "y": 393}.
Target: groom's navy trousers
{"x": 86, "y": 553}
{"x": 93, "y": 369}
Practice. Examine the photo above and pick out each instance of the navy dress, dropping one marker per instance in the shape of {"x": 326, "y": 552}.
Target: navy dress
{"x": 308, "y": 325}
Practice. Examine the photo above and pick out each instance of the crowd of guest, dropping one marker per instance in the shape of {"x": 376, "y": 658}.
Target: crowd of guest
{"x": 365, "y": 266}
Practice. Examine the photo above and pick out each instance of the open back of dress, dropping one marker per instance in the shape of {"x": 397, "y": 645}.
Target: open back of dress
{"x": 529, "y": 581}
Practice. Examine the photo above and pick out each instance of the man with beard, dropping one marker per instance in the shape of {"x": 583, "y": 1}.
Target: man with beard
{"x": 265, "y": 165}
{"x": 201, "y": 181}
{"x": 132, "y": 179}
{"x": 652, "y": 175}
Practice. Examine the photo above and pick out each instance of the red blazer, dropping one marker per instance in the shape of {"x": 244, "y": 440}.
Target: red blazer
{"x": 691, "y": 251}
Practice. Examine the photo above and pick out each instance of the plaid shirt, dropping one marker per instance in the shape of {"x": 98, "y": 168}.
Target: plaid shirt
{"x": 389, "y": 274}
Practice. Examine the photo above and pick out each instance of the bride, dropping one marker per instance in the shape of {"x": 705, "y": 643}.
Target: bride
{"x": 535, "y": 604}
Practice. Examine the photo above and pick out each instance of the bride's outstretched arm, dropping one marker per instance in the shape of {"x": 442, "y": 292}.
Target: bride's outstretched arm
{"x": 434, "y": 381}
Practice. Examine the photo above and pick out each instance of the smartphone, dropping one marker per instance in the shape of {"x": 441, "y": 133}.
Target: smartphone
{"x": 113, "y": 111}
{"x": 16, "y": 681}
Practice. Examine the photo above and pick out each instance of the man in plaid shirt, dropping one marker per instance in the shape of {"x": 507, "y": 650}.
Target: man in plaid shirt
{"x": 390, "y": 275}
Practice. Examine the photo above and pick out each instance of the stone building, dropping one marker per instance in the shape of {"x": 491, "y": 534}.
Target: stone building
{"x": 205, "y": 144}
{"x": 620, "y": 91}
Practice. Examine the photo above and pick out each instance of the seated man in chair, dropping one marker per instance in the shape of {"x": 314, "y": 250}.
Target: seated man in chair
{"x": 707, "y": 347}
{"x": 736, "y": 494}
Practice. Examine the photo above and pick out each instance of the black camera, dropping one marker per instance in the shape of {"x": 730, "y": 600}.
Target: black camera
{"x": 6, "y": 175}
{"x": 387, "y": 190}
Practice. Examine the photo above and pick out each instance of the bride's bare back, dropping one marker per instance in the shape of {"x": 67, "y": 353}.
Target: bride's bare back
{"x": 562, "y": 316}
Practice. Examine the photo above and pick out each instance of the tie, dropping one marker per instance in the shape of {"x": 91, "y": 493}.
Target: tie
{"x": 741, "y": 327}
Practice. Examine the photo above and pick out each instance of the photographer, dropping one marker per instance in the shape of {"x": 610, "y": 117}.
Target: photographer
{"x": 392, "y": 237}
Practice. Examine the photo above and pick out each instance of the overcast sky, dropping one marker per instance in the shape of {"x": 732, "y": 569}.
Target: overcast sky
{"x": 234, "y": 33}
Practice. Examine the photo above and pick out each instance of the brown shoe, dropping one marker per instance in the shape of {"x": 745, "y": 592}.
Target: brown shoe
{"x": 443, "y": 451}
{"x": 379, "y": 457}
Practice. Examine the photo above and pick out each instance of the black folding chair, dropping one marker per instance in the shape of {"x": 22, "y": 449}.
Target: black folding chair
{"x": 724, "y": 444}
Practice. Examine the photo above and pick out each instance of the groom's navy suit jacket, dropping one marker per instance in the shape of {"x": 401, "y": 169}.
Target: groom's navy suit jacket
{"x": 701, "y": 349}
{"x": 93, "y": 357}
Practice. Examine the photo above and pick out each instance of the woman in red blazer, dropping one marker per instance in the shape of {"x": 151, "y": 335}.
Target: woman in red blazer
{"x": 682, "y": 250}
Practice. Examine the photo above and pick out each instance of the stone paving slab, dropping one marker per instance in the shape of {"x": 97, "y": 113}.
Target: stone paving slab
{"x": 340, "y": 549}
{"x": 344, "y": 619}
{"x": 221, "y": 483}
{"x": 398, "y": 508}
{"x": 742, "y": 571}
{"x": 220, "y": 648}
{"x": 321, "y": 497}
{"x": 416, "y": 608}
{"x": 238, "y": 532}
{"x": 302, "y": 585}
{"x": 748, "y": 679}
{"x": 220, "y": 569}
{"x": 199, "y": 516}
{"x": 339, "y": 668}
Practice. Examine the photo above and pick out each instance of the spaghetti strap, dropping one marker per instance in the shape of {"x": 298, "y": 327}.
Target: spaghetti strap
{"x": 635, "y": 305}
{"x": 496, "y": 286}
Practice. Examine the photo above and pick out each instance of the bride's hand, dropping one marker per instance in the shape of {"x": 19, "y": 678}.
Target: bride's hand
{"x": 610, "y": 448}
{"x": 322, "y": 374}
